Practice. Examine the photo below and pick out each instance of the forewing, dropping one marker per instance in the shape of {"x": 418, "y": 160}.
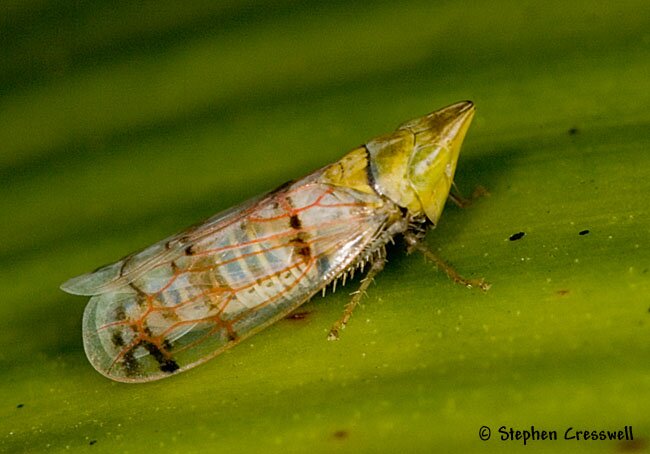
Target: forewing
{"x": 235, "y": 277}
{"x": 116, "y": 275}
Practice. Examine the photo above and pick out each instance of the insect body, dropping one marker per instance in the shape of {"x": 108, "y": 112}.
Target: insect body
{"x": 187, "y": 298}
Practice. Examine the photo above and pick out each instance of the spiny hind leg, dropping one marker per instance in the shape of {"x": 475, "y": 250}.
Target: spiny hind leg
{"x": 375, "y": 268}
{"x": 463, "y": 202}
{"x": 415, "y": 244}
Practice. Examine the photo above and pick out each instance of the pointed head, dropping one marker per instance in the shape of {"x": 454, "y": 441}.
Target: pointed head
{"x": 415, "y": 165}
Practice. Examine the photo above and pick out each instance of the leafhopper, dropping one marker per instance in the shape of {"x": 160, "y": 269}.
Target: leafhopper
{"x": 189, "y": 297}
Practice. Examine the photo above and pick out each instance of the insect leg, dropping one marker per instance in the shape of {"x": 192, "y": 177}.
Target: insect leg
{"x": 464, "y": 202}
{"x": 416, "y": 244}
{"x": 375, "y": 268}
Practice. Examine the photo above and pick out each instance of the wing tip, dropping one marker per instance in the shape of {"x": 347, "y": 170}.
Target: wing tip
{"x": 94, "y": 283}
{"x": 77, "y": 286}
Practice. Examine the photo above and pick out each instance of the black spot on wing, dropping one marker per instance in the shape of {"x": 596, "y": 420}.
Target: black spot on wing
{"x": 166, "y": 364}
{"x": 130, "y": 364}
{"x": 294, "y": 222}
{"x": 169, "y": 366}
{"x": 304, "y": 251}
{"x": 117, "y": 339}
{"x": 301, "y": 246}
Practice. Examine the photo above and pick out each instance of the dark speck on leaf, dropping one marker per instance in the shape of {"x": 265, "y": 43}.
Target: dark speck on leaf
{"x": 632, "y": 445}
{"x": 583, "y": 232}
{"x": 341, "y": 434}
{"x": 20, "y": 405}
{"x": 92, "y": 442}
{"x": 573, "y": 131}
{"x": 517, "y": 236}
{"x": 298, "y": 315}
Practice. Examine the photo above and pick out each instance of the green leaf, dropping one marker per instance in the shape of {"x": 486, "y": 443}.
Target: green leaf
{"x": 121, "y": 125}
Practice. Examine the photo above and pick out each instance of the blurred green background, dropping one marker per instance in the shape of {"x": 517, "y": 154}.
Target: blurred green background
{"x": 123, "y": 123}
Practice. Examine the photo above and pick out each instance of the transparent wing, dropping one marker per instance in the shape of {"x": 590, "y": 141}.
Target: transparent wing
{"x": 185, "y": 300}
{"x": 118, "y": 274}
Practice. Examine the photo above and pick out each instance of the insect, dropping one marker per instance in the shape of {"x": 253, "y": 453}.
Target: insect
{"x": 187, "y": 298}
